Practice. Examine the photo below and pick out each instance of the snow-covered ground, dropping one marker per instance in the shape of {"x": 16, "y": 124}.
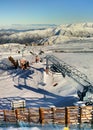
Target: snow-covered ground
{"x": 33, "y": 84}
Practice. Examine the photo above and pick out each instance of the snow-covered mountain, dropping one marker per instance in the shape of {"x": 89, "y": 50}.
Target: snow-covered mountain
{"x": 50, "y": 34}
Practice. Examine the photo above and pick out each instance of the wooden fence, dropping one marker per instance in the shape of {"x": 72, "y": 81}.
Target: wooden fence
{"x": 55, "y": 115}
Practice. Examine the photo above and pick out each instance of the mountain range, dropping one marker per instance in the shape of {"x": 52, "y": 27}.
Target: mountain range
{"x": 51, "y": 34}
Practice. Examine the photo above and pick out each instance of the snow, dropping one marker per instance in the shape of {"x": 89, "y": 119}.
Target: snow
{"x": 36, "y": 87}
{"x": 69, "y": 43}
{"x": 80, "y": 32}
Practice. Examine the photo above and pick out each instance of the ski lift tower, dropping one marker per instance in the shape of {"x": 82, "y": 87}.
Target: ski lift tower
{"x": 23, "y": 52}
{"x": 60, "y": 66}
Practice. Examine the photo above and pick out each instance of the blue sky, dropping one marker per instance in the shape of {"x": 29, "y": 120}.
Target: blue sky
{"x": 45, "y": 11}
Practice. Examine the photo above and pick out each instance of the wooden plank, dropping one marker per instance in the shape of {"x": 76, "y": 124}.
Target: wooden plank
{"x": 34, "y": 116}
{"x": 9, "y": 116}
{"x": 1, "y": 115}
{"x": 72, "y": 116}
{"x": 86, "y": 115}
{"x": 18, "y": 104}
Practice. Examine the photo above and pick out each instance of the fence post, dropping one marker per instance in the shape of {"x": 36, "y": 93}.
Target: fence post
{"x": 79, "y": 114}
{"x": 53, "y": 110}
{"x": 4, "y": 115}
{"x": 66, "y": 116}
{"x": 16, "y": 112}
{"x": 29, "y": 114}
{"x": 41, "y": 115}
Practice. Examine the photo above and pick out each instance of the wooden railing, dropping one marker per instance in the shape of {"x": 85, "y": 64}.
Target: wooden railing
{"x": 55, "y": 115}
